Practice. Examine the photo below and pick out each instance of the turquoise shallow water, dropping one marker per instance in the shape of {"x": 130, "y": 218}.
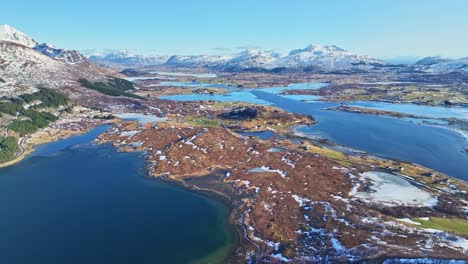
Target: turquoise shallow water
{"x": 75, "y": 202}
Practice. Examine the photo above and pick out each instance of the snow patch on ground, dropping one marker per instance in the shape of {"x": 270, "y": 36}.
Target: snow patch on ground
{"x": 129, "y": 134}
{"x": 391, "y": 190}
{"x": 300, "y": 200}
{"x": 268, "y": 169}
{"x": 141, "y": 118}
{"x": 409, "y": 221}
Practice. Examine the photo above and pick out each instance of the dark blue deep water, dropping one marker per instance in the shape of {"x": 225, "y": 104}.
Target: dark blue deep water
{"x": 75, "y": 202}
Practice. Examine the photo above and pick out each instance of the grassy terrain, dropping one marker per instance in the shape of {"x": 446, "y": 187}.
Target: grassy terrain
{"x": 201, "y": 121}
{"x": 332, "y": 154}
{"x": 114, "y": 87}
{"x": 429, "y": 95}
{"x": 455, "y": 226}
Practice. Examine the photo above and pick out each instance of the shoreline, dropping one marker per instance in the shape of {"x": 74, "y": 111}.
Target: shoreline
{"x": 241, "y": 241}
{"x": 37, "y": 140}
{"x": 213, "y": 195}
{"x": 224, "y": 200}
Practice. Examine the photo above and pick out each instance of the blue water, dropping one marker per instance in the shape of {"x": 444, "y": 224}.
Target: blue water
{"x": 75, "y": 202}
{"x": 404, "y": 139}
{"x": 418, "y": 110}
{"x": 237, "y": 96}
{"x": 265, "y": 135}
{"x": 196, "y": 75}
{"x": 243, "y": 95}
{"x": 193, "y": 85}
{"x": 434, "y": 147}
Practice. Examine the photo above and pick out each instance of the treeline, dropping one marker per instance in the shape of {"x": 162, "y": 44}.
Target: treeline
{"x": 114, "y": 87}
{"x": 37, "y": 120}
{"x": 8, "y": 148}
{"x": 48, "y": 98}
{"x": 11, "y": 108}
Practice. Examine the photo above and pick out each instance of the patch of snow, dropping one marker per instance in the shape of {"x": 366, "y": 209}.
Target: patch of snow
{"x": 268, "y": 169}
{"x": 141, "y": 118}
{"x": 409, "y": 221}
{"x": 280, "y": 257}
{"x": 391, "y": 190}
{"x": 129, "y": 134}
{"x": 300, "y": 200}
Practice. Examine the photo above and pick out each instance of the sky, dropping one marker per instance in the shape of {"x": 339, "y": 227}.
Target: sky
{"x": 379, "y": 28}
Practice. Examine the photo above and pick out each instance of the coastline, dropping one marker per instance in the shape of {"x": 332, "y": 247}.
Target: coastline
{"x": 241, "y": 245}
{"x": 220, "y": 255}
{"x": 44, "y": 136}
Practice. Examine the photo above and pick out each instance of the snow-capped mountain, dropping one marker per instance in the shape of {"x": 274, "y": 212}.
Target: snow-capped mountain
{"x": 68, "y": 56}
{"x": 328, "y": 58}
{"x": 442, "y": 65}
{"x": 198, "y": 60}
{"x": 431, "y": 60}
{"x": 8, "y": 33}
{"x": 254, "y": 59}
{"x": 127, "y": 58}
{"x": 26, "y": 66}
{"x": 325, "y": 58}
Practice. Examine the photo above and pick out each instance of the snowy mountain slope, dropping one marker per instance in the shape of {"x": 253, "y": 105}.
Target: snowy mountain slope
{"x": 431, "y": 60}
{"x": 254, "y": 59}
{"x": 27, "y": 66}
{"x": 197, "y": 60}
{"x": 127, "y": 58}
{"x": 442, "y": 65}
{"x": 8, "y": 33}
{"x": 68, "y": 56}
{"x": 324, "y": 57}
{"x": 327, "y": 58}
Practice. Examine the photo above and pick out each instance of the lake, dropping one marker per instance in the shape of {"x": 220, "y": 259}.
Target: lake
{"x": 76, "y": 202}
{"x": 432, "y": 146}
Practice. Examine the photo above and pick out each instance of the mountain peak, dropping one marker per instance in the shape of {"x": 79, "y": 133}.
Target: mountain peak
{"x": 319, "y": 49}
{"x": 9, "y": 33}
{"x": 431, "y": 60}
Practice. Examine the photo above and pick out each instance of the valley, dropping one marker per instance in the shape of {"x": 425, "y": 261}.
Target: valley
{"x": 317, "y": 156}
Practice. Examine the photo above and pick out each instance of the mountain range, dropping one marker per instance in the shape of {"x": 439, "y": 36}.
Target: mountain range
{"x": 319, "y": 57}
{"x": 328, "y": 58}
{"x": 18, "y": 49}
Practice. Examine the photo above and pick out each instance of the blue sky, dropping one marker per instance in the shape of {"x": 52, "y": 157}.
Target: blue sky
{"x": 380, "y": 28}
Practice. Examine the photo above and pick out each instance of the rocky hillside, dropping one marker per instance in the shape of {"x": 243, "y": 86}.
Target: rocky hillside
{"x": 26, "y": 65}
{"x": 68, "y": 56}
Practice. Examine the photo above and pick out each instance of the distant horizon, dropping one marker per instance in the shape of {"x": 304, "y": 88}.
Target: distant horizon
{"x": 381, "y": 29}
{"x": 104, "y": 51}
